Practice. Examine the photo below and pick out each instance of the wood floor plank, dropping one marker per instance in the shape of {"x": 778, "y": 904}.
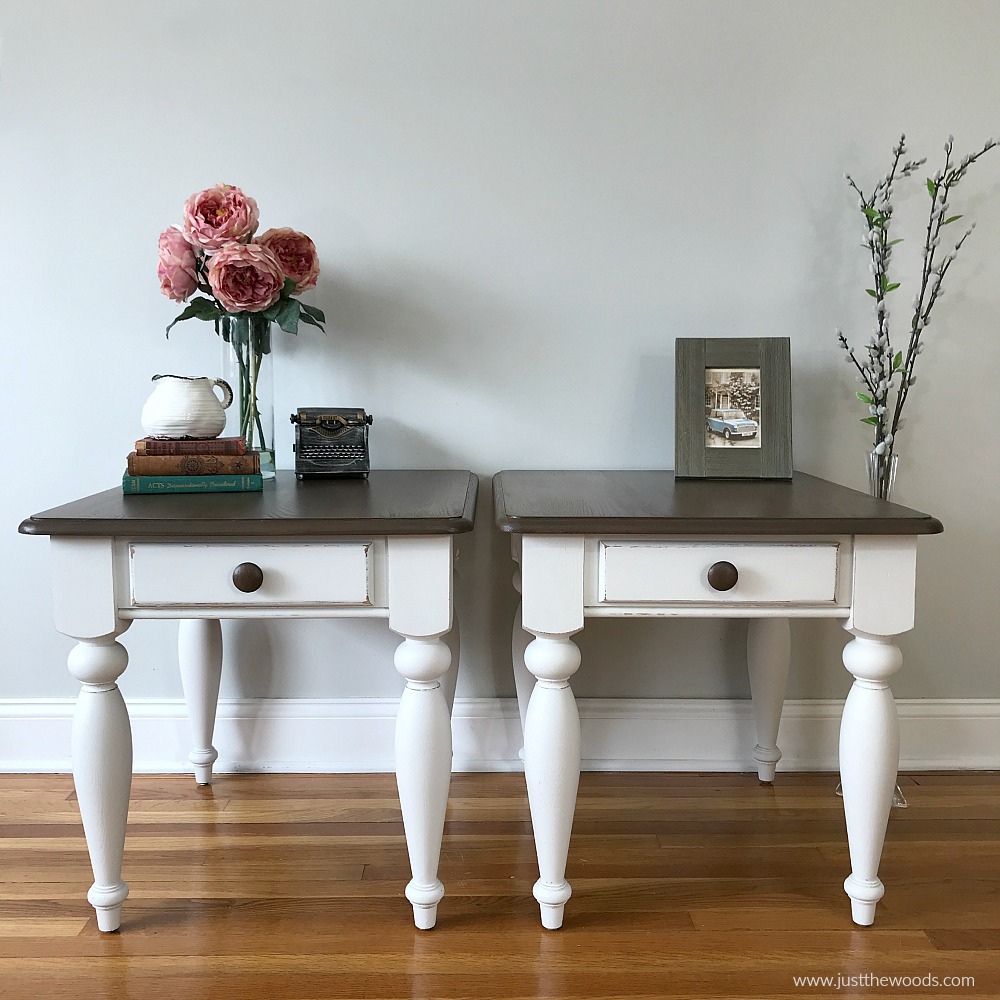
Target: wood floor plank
{"x": 697, "y": 885}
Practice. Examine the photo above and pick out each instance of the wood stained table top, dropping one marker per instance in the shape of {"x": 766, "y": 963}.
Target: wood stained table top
{"x": 398, "y": 502}
{"x": 654, "y": 502}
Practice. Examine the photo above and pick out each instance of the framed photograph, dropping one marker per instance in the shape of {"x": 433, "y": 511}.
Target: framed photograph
{"x": 733, "y": 408}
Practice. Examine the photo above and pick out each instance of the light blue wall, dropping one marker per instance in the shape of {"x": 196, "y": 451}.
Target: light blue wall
{"x": 518, "y": 206}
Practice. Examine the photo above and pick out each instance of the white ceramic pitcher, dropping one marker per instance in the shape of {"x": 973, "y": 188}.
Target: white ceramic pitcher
{"x": 182, "y": 406}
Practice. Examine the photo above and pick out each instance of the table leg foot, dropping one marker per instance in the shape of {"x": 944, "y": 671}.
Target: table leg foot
{"x": 864, "y": 895}
{"x": 107, "y": 903}
{"x": 767, "y": 761}
{"x": 552, "y": 900}
{"x": 425, "y": 899}
{"x": 203, "y": 761}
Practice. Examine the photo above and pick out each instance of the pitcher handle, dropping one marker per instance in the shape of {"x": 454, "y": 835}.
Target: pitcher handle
{"x": 227, "y": 392}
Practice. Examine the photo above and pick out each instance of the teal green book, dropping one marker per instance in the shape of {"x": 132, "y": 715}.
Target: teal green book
{"x": 249, "y": 483}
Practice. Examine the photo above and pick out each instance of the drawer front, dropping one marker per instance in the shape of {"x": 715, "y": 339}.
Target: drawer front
{"x": 174, "y": 574}
{"x": 665, "y": 572}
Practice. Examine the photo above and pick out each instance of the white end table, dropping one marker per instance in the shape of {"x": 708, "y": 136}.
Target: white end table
{"x": 381, "y": 547}
{"x": 644, "y": 545}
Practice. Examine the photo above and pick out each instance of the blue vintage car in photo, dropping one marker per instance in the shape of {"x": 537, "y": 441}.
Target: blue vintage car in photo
{"x": 731, "y": 424}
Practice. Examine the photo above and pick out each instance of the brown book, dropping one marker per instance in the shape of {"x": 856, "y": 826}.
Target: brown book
{"x": 190, "y": 446}
{"x": 193, "y": 465}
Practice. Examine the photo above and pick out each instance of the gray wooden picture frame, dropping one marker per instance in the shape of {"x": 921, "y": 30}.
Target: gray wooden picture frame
{"x": 693, "y": 459}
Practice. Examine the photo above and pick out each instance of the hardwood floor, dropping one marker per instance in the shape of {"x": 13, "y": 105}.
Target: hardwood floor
{"x": 684, "y": 885}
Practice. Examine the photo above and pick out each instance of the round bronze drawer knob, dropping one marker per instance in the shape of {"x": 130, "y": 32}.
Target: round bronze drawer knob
{"x": 722, "y": 576}
{"x": 248, "y": 577}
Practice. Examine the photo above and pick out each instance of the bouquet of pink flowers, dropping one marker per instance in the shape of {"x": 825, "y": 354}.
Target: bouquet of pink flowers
{"x": 216, "y": 252}
{"x": 247, "y": 282}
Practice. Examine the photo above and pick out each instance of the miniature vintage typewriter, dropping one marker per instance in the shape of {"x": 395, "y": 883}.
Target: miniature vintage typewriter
{"x": 331, "y": 442}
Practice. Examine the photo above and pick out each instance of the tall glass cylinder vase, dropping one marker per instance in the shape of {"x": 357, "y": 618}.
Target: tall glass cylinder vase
{"x": 882, "y": 474}
{"x": 248, "y": 367}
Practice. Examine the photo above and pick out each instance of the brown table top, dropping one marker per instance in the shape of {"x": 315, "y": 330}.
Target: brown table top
{"x": 648, "y": 502}
{"x": 402, "y": 502}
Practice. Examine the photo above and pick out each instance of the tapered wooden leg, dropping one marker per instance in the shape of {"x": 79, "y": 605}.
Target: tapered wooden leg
{"x": 869, "y": 759}
{"x": 199, "y": 653}
{"x": 768, "y": 655}
{"x": 552, "y": 766}
{"x": 102, "y": 768}
{"x": 423, "y": 767}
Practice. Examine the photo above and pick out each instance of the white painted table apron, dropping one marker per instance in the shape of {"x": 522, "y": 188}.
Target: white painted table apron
{"x": 377, "y": 548}
{"x": 639, "y": 545}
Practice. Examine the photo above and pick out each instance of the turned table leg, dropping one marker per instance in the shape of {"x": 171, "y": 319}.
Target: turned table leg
{"x": 552, "y": 766}
{"x": 423, "y": 767}
{"x": 768, "y": 655}
{"x": 199, "y": 654}
{"x": 421, "y": 576}
{"x": 102, "y": 768}
{"x": 869, "y": 759}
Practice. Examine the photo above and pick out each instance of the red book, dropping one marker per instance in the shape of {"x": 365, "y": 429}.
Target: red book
{"x": 191, "y": 446}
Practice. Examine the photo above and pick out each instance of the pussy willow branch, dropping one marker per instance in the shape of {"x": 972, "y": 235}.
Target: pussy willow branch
{"x": 878, "y": 372}
{"x": 877, "y": 377}
{"x": 945, "y": 181}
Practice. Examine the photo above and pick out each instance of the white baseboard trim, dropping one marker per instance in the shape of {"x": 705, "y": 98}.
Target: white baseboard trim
{"x": 356, "y": 735}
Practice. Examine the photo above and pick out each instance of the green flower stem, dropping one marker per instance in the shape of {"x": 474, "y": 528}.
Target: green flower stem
{"x": 247, "y": 336}
{"x": 253, "y": 407}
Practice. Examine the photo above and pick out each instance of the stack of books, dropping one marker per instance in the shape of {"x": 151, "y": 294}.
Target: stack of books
{"x": 192, "y": 465}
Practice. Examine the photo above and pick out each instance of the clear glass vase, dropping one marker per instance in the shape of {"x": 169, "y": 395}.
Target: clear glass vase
{"x": 247, "y": 365}
{"x": 882, "y": 474}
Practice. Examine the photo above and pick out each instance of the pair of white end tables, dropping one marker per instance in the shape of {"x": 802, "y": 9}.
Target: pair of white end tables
{"x": 587, "y": 544}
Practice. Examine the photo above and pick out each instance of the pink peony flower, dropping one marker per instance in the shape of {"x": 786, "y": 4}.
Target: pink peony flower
{"x": 176, "y": 270}
{"x": 296, "y": 254}
{"x": 245, "y": 277}
{"x": 220, "y": 215}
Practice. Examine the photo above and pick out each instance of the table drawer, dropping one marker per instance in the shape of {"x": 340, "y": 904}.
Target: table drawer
{"x": 174, "y": 574}
{"x": 633, "y": 572}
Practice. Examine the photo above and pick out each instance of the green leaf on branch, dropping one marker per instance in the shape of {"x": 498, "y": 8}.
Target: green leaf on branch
{"x": 311, "y": 320}
{"x": 315, "y": 314}
{"x": 874, "y": 216}
{"x": 865, "y": 398}
{"x": 287, "y": 315}
{"x": 892, "y": 243}
{"x": 288, "y": 288}
{"x": 872, "y": 292}
{"x": 954, "y": 218}
{"x": 897, "y": 361}
{"x": 931, "y": 188}
{"x": 869, "y": 420}
{"x": 199, "y": 308}
{"x": 892, "y": 287}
